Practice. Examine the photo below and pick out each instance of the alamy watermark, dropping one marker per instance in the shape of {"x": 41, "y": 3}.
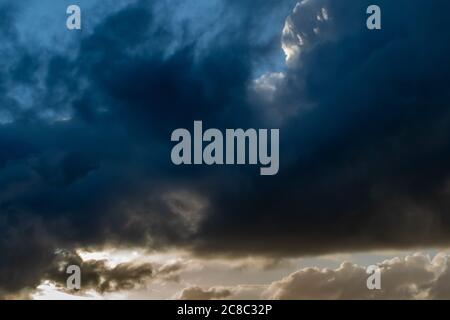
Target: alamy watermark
{"x": 235, "y": 146}
{"x": 73, "y": 22}
{"x": 374, "y": 20}
{"x": 374, "y": 280}
{"x": 74, "y": 280}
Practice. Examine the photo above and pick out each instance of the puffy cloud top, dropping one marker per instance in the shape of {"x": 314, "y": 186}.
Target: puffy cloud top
{"x": 85, "y": 130}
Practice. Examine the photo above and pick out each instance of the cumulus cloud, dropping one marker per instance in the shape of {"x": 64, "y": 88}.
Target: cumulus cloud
{"x": 412, "y": 277}
{"x": 416, "y": 276}
{"x": 344, "y": 182}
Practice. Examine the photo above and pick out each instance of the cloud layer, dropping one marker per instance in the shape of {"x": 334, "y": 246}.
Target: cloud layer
{"x": 411, "y": 277}
{"x": 85, "y": 131}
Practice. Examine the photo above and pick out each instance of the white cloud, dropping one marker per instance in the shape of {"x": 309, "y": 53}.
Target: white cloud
{"x": 308, "y": 24}
{"x": 266, "y": 85}
{"x": 412, "y": 277}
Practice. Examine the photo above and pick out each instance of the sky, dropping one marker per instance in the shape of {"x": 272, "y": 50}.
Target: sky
{"x": 86, "y": 177}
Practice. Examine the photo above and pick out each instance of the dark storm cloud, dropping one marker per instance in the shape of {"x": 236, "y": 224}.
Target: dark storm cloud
{"x": 87, "y": 163}
{"x": 364, "y": 162}
{"x": 99, "y": 276}
{"x": 364, "y": 134}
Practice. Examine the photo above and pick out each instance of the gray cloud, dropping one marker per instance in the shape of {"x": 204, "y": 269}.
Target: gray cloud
{"x": 412, "y": 277}
{"x": 364, "y": 126}
{"x": 101, "y": 277}
{"x": 97, "y": 275}
{"x": 197, "y": 293}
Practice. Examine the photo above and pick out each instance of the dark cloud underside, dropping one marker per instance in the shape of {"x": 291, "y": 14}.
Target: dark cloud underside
{"x": 364, "y": 121}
